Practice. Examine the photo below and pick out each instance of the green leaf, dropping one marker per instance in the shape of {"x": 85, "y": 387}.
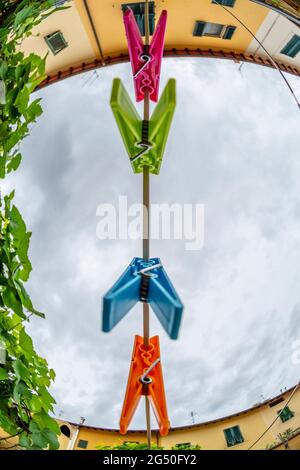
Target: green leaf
{"x": 38, "y": 313}
{"x": 24, "y": 296}
{"x": 2, "y": 167}
{"x": 22, "y": 100}
{"x": 24, "y": 441}
{"x": 3, "y": 374}
{"x": 33, "y": 111}
{"x": 45, "y": 421}
{"x": 44, "y": 437}
{"x": 39, "y": 440}
{"x": 12, "y": 141}
{"x": 12, "y": 300}
{"x": 26, "y": 343}
{"x": 19, "y": 71}
{"x": 8, "y": 199}
{"x": 51, "y": 438}
{"x": 17, "y": 224}
{"x": 47, "y": 399}
{"x": 21, "y": 370}
{"x": 3, "y": 70}
{"x": 14, "y": 163}
{"x": 34, "y": 427}
{"x": 22, "y": 15}
{"x": 21, "y": 391}
{"x": 35, "y": 404}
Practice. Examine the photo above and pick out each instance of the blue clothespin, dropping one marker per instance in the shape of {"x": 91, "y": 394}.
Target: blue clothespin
{"x": 144, "y": 281}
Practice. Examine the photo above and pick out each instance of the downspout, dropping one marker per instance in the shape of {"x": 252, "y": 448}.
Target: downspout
{"x": 71, "y": 444}
{"x": 268, "y": 32}
{"x": 88, "y": 12}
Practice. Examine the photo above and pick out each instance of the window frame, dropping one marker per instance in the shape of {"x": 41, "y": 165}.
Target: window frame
{"x": 47, "y": 39}
{"x": 226, "y": 32}
{"x": 233, "y": 442}
{"x": 85, "y": 446}
{"x": 213, "y": 35}
{"x": 181, "y": 444}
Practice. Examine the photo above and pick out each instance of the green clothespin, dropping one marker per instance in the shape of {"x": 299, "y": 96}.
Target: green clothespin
{"x": 144, "y": 141}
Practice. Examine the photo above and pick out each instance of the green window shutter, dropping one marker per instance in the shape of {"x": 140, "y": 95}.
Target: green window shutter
{"x": 226, "y": 3}
{"x": 140, "y": 19}
{"x": 199, "y": 28}
{"x": 138, "y": 10}
{"x": 229, "y": 31}
{"x": 229, "y": 437}
{"x": 292, "y": 47}
{"x": 56, "y": 42}
{"x": 151, "y": 23}
{"x": 285, "y": 414}
{"x": 238, "y": 435}
{"x": 233, "y": 436}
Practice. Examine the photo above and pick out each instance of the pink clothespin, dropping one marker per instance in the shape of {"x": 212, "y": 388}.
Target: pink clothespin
{"x": 145, "y": 63}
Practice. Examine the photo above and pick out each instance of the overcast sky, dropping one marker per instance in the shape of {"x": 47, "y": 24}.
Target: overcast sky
{"x": 234, "y": 147}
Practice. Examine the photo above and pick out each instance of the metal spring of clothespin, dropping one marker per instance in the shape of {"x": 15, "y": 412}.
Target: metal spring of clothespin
{"x": 146, "y": 275}
{"x": 145, "y": 145}
{"x": 146, "y": 58}
{"x": 145, "y": 379}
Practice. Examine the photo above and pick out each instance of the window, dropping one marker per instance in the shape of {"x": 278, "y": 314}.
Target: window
{"x": 56, "y": 42}
{"x": 65, "y": 430}
{"x": 58, "y": 3}
{"x": 292, "y": 47}
{"x": 285, "y": 414}
{"x": 226, "y": 3}
{"x": 139, "y": 13}
{"x": 229, "y": 32}
{"x": 233, "y": 436}
{"x": 213, "y": 30}
{"x": 276, "y": 402}
{"x": 82, "y": 444}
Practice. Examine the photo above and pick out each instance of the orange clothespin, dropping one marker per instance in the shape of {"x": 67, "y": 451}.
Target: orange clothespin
{"x": 145, "y": 378}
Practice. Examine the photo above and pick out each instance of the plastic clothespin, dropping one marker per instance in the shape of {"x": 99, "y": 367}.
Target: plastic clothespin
{"x": 144, "y": 141}
{"x": 146, "y": 282}
{"x": 150, "y": 384}
{"x": 146, "y": 64}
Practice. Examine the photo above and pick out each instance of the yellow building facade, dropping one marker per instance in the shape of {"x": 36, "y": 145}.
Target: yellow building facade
{"x": 239, "y": 431}
{"x": 257, "y": 428}
{"x": 89, "y": 34}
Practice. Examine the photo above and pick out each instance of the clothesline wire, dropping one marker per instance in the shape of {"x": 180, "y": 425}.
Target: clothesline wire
{"x": 265, "y": 50}
{"x": 278, "y": 416}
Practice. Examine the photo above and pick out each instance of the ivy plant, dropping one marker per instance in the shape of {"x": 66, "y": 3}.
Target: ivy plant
{"x": 143, "y": 446}
{"x": 128, "y": 446}
{"x": 25, "y": 402}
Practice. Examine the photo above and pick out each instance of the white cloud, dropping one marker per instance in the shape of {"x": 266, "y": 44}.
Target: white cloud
{"x": 233, "y": 146}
